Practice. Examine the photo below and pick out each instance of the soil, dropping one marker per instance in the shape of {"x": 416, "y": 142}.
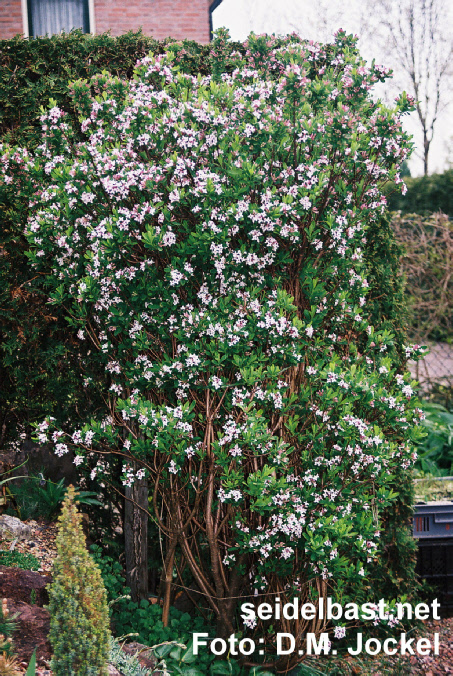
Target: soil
{"x": 24, "y": 585}
{"x": 34, "y": 625}
{"x": 25, "y": 594}
{"x": 408, "y": 665}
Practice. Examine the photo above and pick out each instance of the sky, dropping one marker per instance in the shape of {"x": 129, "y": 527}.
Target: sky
{"x": 286, "y": 16}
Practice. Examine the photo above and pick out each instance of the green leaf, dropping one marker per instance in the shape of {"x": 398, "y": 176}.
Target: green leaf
{"x": 221, "y": 669}
{"x": 189, "y": 657}
{"x": 31, "y": 670}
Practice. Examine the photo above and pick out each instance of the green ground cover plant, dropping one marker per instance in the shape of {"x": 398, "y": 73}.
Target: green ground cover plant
{"x": 435, "y": 450}
{"x": 16, "y": 559}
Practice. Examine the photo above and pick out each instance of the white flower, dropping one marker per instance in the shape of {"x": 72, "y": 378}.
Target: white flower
{"x": 216, "y": 382}
{"x": 193, "y": 360}
{"x": 286, "y": 553}
{"x": 172, "y": 467}
{"x": 309, "y": 331}
{"x": 250, "y": 623}
{"x": 340, "y": 632}
{"x": 88, "y": 437}
{"x": 61, "y": 449}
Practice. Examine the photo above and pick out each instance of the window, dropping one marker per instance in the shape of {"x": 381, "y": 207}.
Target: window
{"x": 47, "y": 17}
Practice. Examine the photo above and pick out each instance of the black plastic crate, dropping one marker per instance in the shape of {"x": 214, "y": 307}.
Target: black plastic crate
{"x": 435, "y": 565}
{"x": 433, "y": 520}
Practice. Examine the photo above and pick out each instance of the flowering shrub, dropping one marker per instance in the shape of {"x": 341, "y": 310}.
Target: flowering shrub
{"x": 207, "y": 239}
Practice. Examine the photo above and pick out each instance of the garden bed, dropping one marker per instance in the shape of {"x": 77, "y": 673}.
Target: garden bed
{"x": 22, "y": 586}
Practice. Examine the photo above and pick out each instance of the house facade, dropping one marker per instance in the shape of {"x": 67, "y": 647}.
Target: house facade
{"x": 179, "y": 19}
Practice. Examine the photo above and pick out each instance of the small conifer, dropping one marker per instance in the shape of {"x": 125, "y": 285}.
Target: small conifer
{"x": 79, "y": 624}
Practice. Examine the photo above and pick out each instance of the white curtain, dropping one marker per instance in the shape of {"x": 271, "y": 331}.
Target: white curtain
{"x": 53, "y": 16}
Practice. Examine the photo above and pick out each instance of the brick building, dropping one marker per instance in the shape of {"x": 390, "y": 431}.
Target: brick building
{"x": 179, "y": 19}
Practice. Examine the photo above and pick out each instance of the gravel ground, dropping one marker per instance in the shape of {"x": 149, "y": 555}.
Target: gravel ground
{"x": 428, "y": 665}
{"x": 41, "y": 543}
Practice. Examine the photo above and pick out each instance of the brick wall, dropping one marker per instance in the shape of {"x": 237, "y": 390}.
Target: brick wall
{"x": 159, "y": 18}
{"x": 10, "y": 18}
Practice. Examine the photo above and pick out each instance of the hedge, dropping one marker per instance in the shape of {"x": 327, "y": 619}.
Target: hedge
{"x": 425, "y": 194}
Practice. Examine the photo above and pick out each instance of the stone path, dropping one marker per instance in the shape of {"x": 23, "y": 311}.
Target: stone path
{"x": 436, "y": 367}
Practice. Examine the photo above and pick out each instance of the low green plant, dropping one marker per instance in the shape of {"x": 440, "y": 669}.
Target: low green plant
{"x": 31, "y": 670}
{"x": 15, "y": 559}
{"x": 127, "y": 664}
{"x": 39, "y": 497}
{"x": 145, "y": 618}
{"x": 435, "y": 450}
{"x": 178, "y": 658}
{"x": 7, "y": 627}
{"x": 79, "y": 618}
{"x": 111, "y": 572}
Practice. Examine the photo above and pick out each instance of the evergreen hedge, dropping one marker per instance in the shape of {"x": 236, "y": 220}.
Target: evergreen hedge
{"x": 425, "y": 195}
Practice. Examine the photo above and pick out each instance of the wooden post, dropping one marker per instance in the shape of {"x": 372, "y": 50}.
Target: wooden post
{"x": 136, "y": 538}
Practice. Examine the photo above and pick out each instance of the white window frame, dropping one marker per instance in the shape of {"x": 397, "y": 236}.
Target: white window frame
{"x": 26, "y": 31}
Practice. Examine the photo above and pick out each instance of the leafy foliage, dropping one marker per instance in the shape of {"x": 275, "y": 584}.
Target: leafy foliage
{"x": 112, "y": 574}
{"x": 144, "y": 621}
{"x": 37, "y": 497}
{"x": 435, "y": 451}
{"x": 79, "y": 625}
